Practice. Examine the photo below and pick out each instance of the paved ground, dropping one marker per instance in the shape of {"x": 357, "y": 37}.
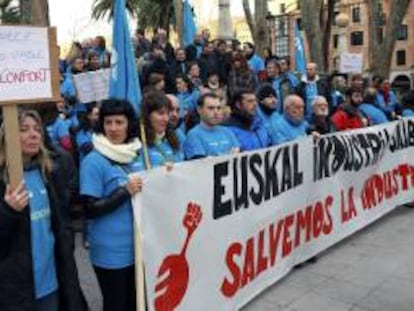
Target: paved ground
{"x": 371, "y": 271}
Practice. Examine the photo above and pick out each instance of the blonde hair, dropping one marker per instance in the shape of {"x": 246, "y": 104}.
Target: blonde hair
{"x": 43, "y": 157}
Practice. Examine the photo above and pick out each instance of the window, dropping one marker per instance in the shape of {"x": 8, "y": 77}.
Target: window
{"x": 401, "y": 58}
{"x": 357, "y": 38}
{"x": 299, "y": 23}
{"x": 335, "y": 41}
{"x": 402, "y": 33}
{"x": 282, "y": 8}
{"x": 282, "y": 35}
{"x": 356, "y": 14}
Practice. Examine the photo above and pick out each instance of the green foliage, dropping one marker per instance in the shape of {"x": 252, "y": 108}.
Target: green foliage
{"x": 10, "y": 12}
{"x": 150, "y": 13}
{"x": 102, "y": 8}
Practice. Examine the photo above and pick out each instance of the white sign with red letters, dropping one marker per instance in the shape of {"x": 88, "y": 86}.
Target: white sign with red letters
{"x": 218, "y": 231}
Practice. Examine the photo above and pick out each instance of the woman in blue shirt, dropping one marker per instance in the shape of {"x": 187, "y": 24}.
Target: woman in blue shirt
{"x": 106, "y": 186}
{"x": 87, "y": 124}
{"x": 37, "y": 267}
{"x": 165, "y": 145}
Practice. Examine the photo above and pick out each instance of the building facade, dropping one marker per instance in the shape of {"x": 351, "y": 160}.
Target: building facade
{"x": 286, "y": 13}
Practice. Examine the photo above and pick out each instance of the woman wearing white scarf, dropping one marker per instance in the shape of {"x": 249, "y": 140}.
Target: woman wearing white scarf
{"x": 106, "y": 186}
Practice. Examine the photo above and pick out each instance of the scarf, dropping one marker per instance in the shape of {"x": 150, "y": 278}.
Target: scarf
{"x": 121, "y": 153}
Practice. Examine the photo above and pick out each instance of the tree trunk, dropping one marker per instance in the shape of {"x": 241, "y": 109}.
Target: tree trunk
{"x": 317, "y": 21}
{"x": 178, "y": 8}
{"x": 165, "y": 22}
{"x": 249, "y": 17}
{"x": 382, "y": 52}
{"x": 311, "y": 20}
{"x": 25, "y": 12}
{"x": 40, "y": 13}
{"x": 327, "y": 30}
{"x": 258, "y": 24}
{"x": 262, "y": 34}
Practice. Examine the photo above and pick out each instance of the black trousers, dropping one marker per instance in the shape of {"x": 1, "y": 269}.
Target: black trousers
{"x": 118, "y": 288}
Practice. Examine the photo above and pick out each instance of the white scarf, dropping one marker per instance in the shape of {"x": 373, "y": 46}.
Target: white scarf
{"x": 121, "y": 153}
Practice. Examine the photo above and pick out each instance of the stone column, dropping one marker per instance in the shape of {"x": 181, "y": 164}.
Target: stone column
{"x": 225, "y": 28}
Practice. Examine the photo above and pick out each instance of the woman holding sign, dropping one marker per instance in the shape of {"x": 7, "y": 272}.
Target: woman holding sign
{"x": 37, "y": 268}
{"x": 106, "y": 185}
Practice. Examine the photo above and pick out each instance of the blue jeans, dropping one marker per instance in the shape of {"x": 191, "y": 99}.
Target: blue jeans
{"x": 48, "y": 303}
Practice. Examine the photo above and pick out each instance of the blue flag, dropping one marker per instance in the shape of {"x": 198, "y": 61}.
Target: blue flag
{"x": 189, "y": 26}
{"x": 299, "y": 52}
{"x": 124, "y": 82}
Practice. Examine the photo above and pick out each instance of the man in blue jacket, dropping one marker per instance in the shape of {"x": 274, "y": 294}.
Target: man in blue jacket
{"x": 245, "y": 123}
{"x": 292, "y": 124}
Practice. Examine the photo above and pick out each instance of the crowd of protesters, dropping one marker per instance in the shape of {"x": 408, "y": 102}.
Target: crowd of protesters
{"x": 210, "y": 98}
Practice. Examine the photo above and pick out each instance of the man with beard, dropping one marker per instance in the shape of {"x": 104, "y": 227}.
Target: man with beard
{"x": 245, "y": 123}
{"x": 320, "y": 121}
{"x": 266, "y": 97}
{"x": 209, "y": 138}
{"x": 348, "y": 116}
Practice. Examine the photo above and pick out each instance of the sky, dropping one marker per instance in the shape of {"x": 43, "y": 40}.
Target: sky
{"x": 72, "y": 18}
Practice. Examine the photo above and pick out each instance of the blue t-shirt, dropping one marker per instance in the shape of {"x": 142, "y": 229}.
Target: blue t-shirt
{"x": 311, "y": 93}
{"x": 375, "y": 114}
{"x": 162, "y": 152}
{"x": 283, "y": 130}
{"x": 110, "y": 236}
{"x": 57, "y": 130}
{"x": 83, "y": 137}
{"x": 265, "y": 117}
{"x": 202, "y": 141}
{"x": 407, "y": 112}
{"x": 256, "y": 64}
{"x": 255, "y": 137}
{"x": 387, "y": 107}
{"x": 188, "y": 102}
{"x": 43, "y": 240}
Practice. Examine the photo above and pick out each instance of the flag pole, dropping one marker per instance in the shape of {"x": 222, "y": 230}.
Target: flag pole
{"x": 147, "y": 162}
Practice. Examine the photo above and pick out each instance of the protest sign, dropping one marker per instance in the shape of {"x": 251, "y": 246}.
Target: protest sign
{"x": 28, "y": 74}
{"x": 221, "y": 230}
{"x": 92, "y": 86}
{"x": 351, "y": 63}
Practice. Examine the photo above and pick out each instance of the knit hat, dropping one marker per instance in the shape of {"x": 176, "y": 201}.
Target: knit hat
{"x": 264, "y": 91}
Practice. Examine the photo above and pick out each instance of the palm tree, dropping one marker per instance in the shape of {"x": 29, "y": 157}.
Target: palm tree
{"x": 10, "y": 14}
{"x": 101, "y": 8}
{"x": 32, "y": 12}
{"x": 150, "y": 13}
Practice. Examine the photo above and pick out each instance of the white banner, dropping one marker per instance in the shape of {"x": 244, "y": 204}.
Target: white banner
{"x": 92, "y": 86}
{"x": 218, "y": 231}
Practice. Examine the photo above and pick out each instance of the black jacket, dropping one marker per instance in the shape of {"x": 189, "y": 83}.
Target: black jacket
{"x": 16, "y": 271}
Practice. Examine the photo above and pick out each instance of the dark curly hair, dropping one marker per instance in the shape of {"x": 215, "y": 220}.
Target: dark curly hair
{"x": 114, "y": 106}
